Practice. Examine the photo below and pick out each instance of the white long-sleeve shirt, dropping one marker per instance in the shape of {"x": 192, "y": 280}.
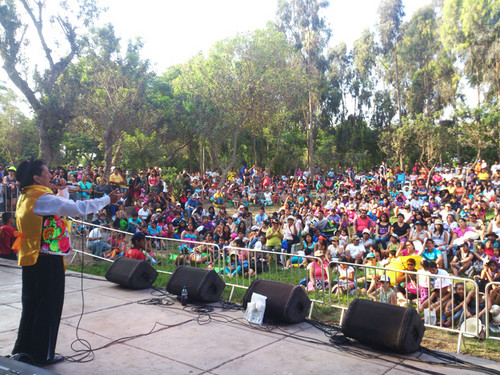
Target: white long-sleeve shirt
{"x": 60, "y": 205}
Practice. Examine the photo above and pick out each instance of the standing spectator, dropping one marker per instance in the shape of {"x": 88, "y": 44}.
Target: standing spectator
{"x": 11, "y": 189}
{"x": 115, "y": 179}
{"x": 85, "y": 187}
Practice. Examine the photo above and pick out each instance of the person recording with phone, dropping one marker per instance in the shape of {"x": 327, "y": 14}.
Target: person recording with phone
{"x": 274, "y": 237}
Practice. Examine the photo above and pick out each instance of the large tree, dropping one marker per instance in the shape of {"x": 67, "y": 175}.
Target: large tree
{"x": 24, "y": 32}
{"x": 391, "y": 13}
{"x": 304, "y": 27}
{"x": 245, "y": 83}
{"x": 114, "y": 91}
{"x": 471, "y": 28}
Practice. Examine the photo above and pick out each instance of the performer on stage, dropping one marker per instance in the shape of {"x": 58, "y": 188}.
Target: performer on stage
{"x": 42, "y": 241}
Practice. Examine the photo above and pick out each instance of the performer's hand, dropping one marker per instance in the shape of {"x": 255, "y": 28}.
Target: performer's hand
{"x": 61, "y": 185}
{"x": 115, "y": 196}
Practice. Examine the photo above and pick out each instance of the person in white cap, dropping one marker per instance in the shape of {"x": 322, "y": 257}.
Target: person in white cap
{"x": 385, "y": 293}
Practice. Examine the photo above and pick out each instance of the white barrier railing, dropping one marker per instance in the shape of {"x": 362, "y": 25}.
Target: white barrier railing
{"x": 264, "y": 264}
{"x": 488, "y": 293}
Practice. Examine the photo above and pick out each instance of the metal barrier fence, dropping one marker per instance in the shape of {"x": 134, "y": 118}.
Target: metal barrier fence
{"x": 9, "y": 194}
{"x": 239, "y": 266}
{"x": 489, "y": 303}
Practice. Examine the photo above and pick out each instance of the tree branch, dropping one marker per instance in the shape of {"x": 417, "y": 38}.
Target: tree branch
{"x": 39, "y": 26}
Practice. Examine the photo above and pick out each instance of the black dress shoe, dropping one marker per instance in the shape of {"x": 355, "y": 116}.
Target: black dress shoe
{"x": 55, "y": 359}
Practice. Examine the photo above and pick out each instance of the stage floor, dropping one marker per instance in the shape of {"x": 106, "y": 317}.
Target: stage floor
{"x": 130, "y": 337}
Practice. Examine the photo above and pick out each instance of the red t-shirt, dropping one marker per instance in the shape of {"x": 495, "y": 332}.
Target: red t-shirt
{"x": 6, "y": 239}
{"x": 135, "y": 254}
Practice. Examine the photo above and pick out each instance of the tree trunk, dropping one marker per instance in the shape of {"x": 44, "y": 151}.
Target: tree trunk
{"x": 117, "y": 154}
{"x": 226, "y": 169}
{"x": 255, "y": 161}
{"x": 310, "y": 148}
{"x": 45, "y": 149}
{"x": 398, "y": 90}
{"x": 108, "y": 150}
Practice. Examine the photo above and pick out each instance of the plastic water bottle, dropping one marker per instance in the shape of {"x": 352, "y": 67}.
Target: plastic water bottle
{"x": 184, "y": 296}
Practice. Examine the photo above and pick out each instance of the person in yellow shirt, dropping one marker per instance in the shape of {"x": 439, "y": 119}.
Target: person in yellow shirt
{"x": 483, "y": 175}
{"x": 115, "y": 179}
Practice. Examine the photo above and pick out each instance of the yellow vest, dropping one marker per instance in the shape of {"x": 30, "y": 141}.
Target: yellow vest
{"x": 29, "y": 225}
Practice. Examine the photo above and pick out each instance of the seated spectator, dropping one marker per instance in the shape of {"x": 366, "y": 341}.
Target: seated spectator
{"x": 401, "y": 228}
{"x": 261, "y": 259}
{"x": 382, "y": 231}
{"x": 455, "y": 307}
{"x": 97, "y": 242}
{"x": 385, "y": 293}
{"x": 145, "y": 212}
{"x": 462, "y": 260}
{"x": 355, "y": 251}
{"x": 345, "y": 278}
{"x": 441, "y": 289}
{"x": 139, "y": 247}
{"x": 319, "y": 273}
{"x": 490, "y": 273}
{"x": 335, "y": 249}
{"x": 7, "y": 237}
{"x": 432, "y": 254}
{"x": 478, "y": 262}
{"x": 407, "y": 289}
{"x": 134, "y": 223}
{"x": 363, "y": 222}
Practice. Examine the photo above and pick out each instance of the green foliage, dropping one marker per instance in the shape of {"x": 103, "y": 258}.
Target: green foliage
{"x": 52, "y": 102}
{"x": 174, "y": 181}
{"x": 274, "y": 97}
{"x": 18, "y": 132}
{"x": 140, "y": 150}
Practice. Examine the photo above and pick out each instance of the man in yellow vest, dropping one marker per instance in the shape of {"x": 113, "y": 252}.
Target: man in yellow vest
{"x": 42, "y": 240}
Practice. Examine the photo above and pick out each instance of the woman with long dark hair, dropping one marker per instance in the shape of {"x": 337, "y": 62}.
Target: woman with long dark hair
{"x": 42, "y": 241}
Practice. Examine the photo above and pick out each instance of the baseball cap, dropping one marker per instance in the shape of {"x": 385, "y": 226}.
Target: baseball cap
{"x": 370, "y": 255}
{"x": 366, "y": 230}
{"x": 385, "y": 278}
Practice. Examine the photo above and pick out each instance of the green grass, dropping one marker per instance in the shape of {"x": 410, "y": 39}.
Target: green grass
{"x": 433, "y": 338}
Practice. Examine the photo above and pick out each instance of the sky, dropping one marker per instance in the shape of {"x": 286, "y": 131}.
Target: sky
{"x": 173, "y": 30}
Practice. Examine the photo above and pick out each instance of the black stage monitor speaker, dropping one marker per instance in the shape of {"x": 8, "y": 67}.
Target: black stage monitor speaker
{"x": 384, "y": 326}
{"x": 202, "y": 285}
{"x": 285, "y": 302}
{"x": 11, "y": 367}
{"x": 132, "y": 273}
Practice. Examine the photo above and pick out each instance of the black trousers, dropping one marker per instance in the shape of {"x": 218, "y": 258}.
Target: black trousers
{"x": 42, "y": 302}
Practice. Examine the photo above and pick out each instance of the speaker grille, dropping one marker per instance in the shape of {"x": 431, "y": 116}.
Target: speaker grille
{"x": 383, "y": 326}
{"x": 202, "y": 285}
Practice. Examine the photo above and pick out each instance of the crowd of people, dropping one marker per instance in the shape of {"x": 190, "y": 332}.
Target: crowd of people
{"x": 447, "y": 218}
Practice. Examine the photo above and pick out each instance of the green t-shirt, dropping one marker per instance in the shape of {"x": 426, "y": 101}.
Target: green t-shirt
{"x": 275, "y": 240}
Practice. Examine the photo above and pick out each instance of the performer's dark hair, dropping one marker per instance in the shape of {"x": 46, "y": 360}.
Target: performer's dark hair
{"x": 27, "y": 170}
